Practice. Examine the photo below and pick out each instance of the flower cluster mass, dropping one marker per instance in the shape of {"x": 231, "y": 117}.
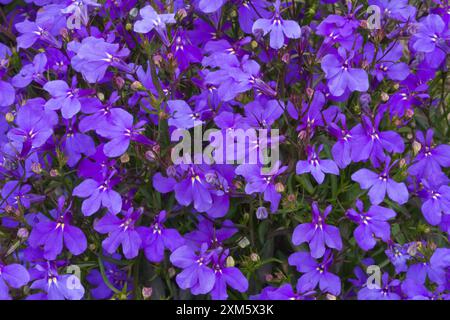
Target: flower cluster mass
{"x": 93, "y": 207}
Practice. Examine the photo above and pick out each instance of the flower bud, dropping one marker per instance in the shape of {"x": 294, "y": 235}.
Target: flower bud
{"x": 254, "y": 44}
{"x": 181, "y": 14}
{"x": 416, "y": 146}
{"x": 150, "y": 155}
{"x": 384, "y": 97}
{"x": 134, "y": 12}
{"x": 172, "y": 272}
{"x": 119, "y": 82}
{"x": 330, "y": 296}
{"x": 243, "y": 243}
{"x": 262, "y": 213}
{"x": 128, "y": 27}
{"x": 9, "y": 117}
{"x": 137, "y": 86}
{"x": 23, "y": 233}
{"x": 292, "y": 197}
{"x": 309, "y": 92}
{"x": 254, "y": 257}
{"x": 268, "y": 277}
{"x": 279, "y": 187}
{"x": 147, "y": 292}
{"x": 286, "y": 58}
{"x": 125, "y": 158}
{"x": 36, "y": 167}
{"x": 100, "y": 96}
{"x": 230, "y": 262}
{"x": 54, "y": 173}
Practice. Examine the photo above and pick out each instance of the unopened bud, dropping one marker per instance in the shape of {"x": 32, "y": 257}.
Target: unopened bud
{"x": 402, "y": 163}
{"x": 100, "y": 96}
{"x": 137, "y": 86}
{"x": 302, "y": 135}
{"x": 244, "y": 243}
{"x": 9, "y": 117}
{"x": 254, "y": 44}
{"x": 268, "y": 277}
{"x": 309, "y": 92}
{"x": 119, "y": 82}
{"x": 286, "y": 58}
{"x": 254, "y": 257}
{"x": 181, "y": 14}
{"x": 134, "y": 12}
{"x": 128, "y": 27}
{"x": 125, "y": 158}
{"x": 409, "y": 113}
{"x": 262, "y": 213}
{"x": 330, "y": 296}
{"x": 416, "y": 146}
{"x": 230, "y": 262}
{"x": 147, "y": 292}
{"x": 23, "y": 233}
{"x": 150, "y": 155}
{"x": 279, "y": 187}
{"x": 54, "y": 173}
{"x": 157, "y": 59}
{"x": 292, "y": 197}
{"x": 384, "y": 97}
{"x": 172, "y": 272}
{"x": 36, "y": 167}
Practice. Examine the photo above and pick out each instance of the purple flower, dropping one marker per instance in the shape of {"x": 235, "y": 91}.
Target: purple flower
{"x": 31, "y": 72}
{"x": 157, "y": 238}
{"x": 94, "y": 56}
{"x": 342, "y": 149}
{"x": 261, "y": 182}
{"x": 34, "y": 31}
{"x": 34, "y": 125}
{"x": 98, "y": 193}
{"x": 370, "y": 142}
{"x": 121, "y": 131}
{"x": 121, "y": 231}
{"x": 436, "y": 199}
{"x": 208, "y": 233}
{"x": 316, "y": 166}
{"x": 63, "y": 97}
{"x": 277, "y": 27}
{"x": 370, "y": 224}
{"x": 152, "y": 20}
{"x": 432, "y": 38}
{"x": 210, "y": 6}
{"x": 315, "y": 273}
{"x": 317, "y": 233}
{"x": 398, "y": 255}
{"x": 379, "y": 184}
{"x": 431, "y": 158}
{"x": 53, "y": 233}
{"x": 341, "y": 75}
{"x": 197, "y": 275}
{"x": 226, "y": 276}
{"x": 12, "y": 275}
{"x": 387, "y": 291}
{"x": 56, "y": 286}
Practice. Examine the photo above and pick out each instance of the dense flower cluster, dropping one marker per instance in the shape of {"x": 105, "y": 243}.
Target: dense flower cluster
{"x": 93, "y": 207}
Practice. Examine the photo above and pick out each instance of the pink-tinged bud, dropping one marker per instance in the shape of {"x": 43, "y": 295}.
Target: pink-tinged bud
{"x": 268, "y": 277}
{"x": 119, "y": 82}
{"x": 292, "y": 197}
{"x": 23, "y": 233}
{"x": 384, "y": 97}
{"x": 54, "y": 173}
{"x": 150, "y": 155}
{"x": 147, "y": 292}
{"x": 302, "y": 135}
{"x": 254, "y": 257}
{"x": 157, "y": 59}
{"x": 363, "y": 24}
{"x": 36, "y": 167}
{"x": 181, "y": 14}
{"x": 286, "y": 58}
{"x": 409, "y": 113}
{"x": 279, "y": 187}
{"x": 9, "y": 209}
{"x": 309, "y": 92}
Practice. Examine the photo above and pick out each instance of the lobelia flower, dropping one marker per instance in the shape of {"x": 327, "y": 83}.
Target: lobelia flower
{"x": 251, "y": 10}
{"x": 317, "y": 233}
{"x": 370, "y": 142}
{"x": 52, "y": 233}
{"x": 34, "y": 31}
{"x": 56, "y": 286}
{"x": 387, "y": 291}
{"x": 315, "y": 273}
{"x": 435, "y": 197}
{"x": 259, "y": 181}
{"x": 182, "y": 116}
{"x": 210, "y": 6}
{"x": 14, "y": 194}
{"x": 12, "y": 275}
{"x": 285, "y": 292}
{"x": 370, "y": 224}
{"x": 153, "y": 20}
{"x": 431, "y": 158}
{"x": 317, "y": 167}
{"x": 78, "y": 11}
{"x": 226, "y": 276}
{"x": 31, "y": 72}
{"x": 95, "y": 55}
{"x": 341, "y": 75}
{"x": 342, "y": 149}
{"x": 379, "y": 184}
{"x": 157, "y": 238}
{"x": 277, "y": 27}
{"x": 34, "y": 125}
{"x": 121, "y": 131}
{"x": 395, "y": 9}
{"x": 208, "y": 233}
{"x": 68, "y": 99}
{"x": 121, "y": 231}
{"x": 398, "y": 255}
{"x": 75, "y": 144}
{"x": 99, "y": 193}
{"x": 432, "y": 38}
{"x": 387, "y": 62}
{"x": 184, "y": 51}
{"x": 117, "y": 277}
{"x": 197, "y": 275}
